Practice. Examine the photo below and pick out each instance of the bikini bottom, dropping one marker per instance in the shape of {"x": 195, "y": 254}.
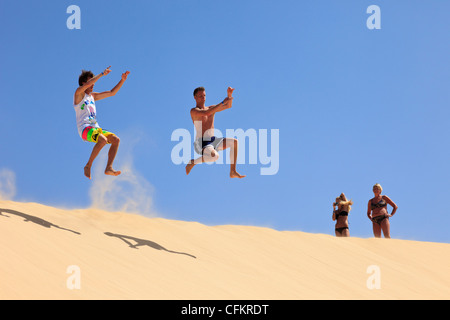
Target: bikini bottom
{"x": 379, "y": 219}
{"x": 340, "y": 230}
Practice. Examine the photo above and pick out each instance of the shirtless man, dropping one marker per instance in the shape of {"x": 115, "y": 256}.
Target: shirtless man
{"x": 206, "y": 144}
{"x": 86, "y": 115}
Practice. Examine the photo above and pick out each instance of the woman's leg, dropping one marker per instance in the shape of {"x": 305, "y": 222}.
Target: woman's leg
{"x": 386, "y": 227}
{"x": 376, "y": 230}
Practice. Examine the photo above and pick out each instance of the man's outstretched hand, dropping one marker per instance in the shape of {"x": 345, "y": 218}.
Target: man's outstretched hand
{"x": 107, "y": 70}
{"x": 125, "y": 75}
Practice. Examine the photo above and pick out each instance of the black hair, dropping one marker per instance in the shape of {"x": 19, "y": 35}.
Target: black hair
{"x": 85, "y": 76}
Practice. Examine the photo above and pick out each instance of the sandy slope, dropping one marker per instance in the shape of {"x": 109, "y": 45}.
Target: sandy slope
{"x": 126, "y": 256}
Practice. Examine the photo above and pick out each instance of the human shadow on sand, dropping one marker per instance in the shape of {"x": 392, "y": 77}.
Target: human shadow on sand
{"x": 37, "y": 220}
{"x": 143, "y": 242}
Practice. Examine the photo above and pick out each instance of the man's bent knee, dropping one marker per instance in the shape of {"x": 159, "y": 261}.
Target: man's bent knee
{"x": 211, "y": 155}
{"x": 214, "y": 154}
{"x": 113, "y": 139}
{"x": 102, "y": 140}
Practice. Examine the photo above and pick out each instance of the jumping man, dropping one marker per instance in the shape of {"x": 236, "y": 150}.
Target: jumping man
{"x": 206, "y": 144}
{"x": 86, "y": 114}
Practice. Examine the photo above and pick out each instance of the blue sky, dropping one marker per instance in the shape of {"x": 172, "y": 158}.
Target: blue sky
{"x": 353, "y": 106}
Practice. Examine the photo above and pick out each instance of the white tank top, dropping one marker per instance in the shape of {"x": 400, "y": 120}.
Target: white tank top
{"x": 86, "y": 113}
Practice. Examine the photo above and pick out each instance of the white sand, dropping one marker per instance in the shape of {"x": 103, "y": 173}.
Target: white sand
{"x": 188, "y": 260}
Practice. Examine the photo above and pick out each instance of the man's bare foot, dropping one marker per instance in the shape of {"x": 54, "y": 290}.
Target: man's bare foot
{"x": 234, "y": 174}
{"x": 112, "y": 172}
{"x": 189, "y": 166}
{"x": 87, "y": 171}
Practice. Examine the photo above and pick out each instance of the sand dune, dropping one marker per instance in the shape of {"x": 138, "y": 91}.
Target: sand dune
{"x": 46, "y": 252}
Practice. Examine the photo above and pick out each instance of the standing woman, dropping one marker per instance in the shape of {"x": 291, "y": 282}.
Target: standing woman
{"x": 340, "y": 215}
{"x": 378, "y": 214}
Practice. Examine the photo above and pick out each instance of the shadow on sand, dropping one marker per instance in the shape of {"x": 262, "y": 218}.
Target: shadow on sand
{"x": 143, "y": 242}
{"x": 36, "y": 220}
{"x": 124, "y": 238}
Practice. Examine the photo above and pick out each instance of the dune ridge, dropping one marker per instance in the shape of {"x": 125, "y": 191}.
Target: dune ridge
{"x": 47, "y": 252}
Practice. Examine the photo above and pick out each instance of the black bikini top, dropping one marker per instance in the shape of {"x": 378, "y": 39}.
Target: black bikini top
{"x": 341, "y": 213}
{"x": 380, "y": 204}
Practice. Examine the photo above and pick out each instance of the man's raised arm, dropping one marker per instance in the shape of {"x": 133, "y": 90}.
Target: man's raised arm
{"x": 110, "y": 93}
{"x": 225, "y": 104}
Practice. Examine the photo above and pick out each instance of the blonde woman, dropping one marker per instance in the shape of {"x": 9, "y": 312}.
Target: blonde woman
{"x": 341, "y": 208}
{"x": 378, "y": 214}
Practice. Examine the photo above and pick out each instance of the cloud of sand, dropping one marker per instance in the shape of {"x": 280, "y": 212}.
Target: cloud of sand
{"x": 7, "y": 184}
{"x": 128, "y": 192}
